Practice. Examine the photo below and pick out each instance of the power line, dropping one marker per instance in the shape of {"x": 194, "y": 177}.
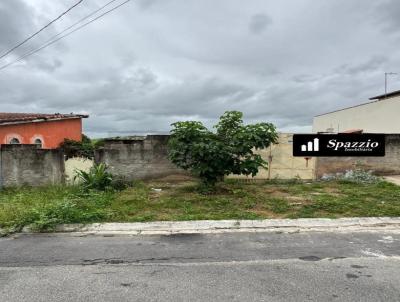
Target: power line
{"x": 63, "y": 36}
{"x": 83, "y": 19}
{"x": 40, "y": 30}
{"x": 51, "y": 41}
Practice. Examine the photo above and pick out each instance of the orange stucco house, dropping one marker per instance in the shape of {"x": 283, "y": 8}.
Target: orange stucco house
{"x": 47, "y": 131}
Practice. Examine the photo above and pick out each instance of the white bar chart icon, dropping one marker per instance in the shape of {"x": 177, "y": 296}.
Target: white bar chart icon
{"x": 311, "y": 146}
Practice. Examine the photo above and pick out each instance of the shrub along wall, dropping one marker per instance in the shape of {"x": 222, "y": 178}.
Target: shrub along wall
{"x": 146, "y": 157}
{"x": 387, "y": 165}
{"x": 131, "y": 158}
{"x": 28, "y": 165}
{"x": 139, "y": 157}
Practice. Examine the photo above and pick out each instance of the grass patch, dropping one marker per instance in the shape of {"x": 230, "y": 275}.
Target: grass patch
{"x": 43, "y": 208}
{"x": 258, "y": 200}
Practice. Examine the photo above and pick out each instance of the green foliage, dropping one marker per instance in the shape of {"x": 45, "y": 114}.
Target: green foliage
{"x": 279, "y": 206}
{"x": 230, "y": 150}
{"x": 84, "y": 148}
{"x": 97, "y": 142}
{"x": 119, "y": 183}
{"x": 44, "y": 207}
{"x": 98, "y": 178}
{"x": 256, "y": 200}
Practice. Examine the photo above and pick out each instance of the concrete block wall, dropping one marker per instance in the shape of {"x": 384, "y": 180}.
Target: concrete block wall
{"x": 141, "y": 157}
{"x": 146, "y": 157}
{"x": 27, "y": 165}
{"x": 387, "y": 165}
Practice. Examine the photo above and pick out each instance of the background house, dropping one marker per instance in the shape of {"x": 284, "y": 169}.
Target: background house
{"x": 47, "y": 131}
{"x": 381, "y": 115}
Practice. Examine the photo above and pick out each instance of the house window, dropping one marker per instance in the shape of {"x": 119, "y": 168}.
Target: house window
{"x": 38, "y": 143}
{"x": 14, "y": 141}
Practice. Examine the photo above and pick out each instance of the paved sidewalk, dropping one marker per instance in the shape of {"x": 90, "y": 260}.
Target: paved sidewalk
{"x": 229, "y": 226}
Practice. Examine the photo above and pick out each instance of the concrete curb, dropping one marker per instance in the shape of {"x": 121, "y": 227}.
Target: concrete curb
{"x": 226, "y": 226}
{"x": 393, "y": 179}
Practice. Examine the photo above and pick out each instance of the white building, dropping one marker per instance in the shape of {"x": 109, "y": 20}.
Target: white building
{"x": 381, "y": 115}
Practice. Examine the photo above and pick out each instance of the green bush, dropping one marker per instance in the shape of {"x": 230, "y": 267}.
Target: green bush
{"x": 84, "y": 148}
{"x": 98, "y": 178}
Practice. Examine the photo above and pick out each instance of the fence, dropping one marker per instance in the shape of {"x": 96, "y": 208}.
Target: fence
{"x": 28, "y": 165}
{"x": 146, "y": 157}
{"x": 139, "y": 157}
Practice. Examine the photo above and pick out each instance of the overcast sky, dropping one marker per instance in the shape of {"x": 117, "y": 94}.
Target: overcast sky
{"x": 154, "y": 62}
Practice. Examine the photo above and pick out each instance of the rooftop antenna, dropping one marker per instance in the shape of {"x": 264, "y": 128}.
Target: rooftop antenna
{"x": 386, "y": 75}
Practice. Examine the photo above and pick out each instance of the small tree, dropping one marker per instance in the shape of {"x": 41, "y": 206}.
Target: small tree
{"x": 212, "y": 155}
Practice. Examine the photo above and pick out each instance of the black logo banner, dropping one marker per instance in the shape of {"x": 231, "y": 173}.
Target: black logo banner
{"x": 313, "y": 145}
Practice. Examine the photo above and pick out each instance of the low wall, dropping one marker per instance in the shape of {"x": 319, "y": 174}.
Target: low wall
{"x": 140, "y": 157}
{"x": 27, "y": 165}
{"x": 387, "y": 165}
{"x": 281, "y": 162}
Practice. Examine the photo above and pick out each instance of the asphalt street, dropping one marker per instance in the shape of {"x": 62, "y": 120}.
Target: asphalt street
{"x": 310, "y": 266}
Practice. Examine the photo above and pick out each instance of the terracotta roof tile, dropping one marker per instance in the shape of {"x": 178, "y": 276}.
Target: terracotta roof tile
{"x": 11, "y": 118}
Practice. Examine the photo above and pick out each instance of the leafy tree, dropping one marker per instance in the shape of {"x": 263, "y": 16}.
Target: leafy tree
{"x": 229, "y": 150}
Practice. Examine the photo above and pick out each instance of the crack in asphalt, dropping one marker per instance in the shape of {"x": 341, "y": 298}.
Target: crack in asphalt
{"x": 102, "y": 261}
{"x": 144, "y": 260}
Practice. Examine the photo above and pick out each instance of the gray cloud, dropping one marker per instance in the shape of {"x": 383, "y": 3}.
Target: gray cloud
{"x": 18, "y": 21}
{"x": 152, "y": 63}
{"x": 259, "y": 23}
{"x": 388, "y": 17}
{"x": 14, "y": 28}
{"x": 145, "y": 4}
{"x": 372, "y": 64}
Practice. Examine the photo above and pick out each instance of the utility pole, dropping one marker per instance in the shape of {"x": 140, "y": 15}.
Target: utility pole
{"x": 386, "y": 75}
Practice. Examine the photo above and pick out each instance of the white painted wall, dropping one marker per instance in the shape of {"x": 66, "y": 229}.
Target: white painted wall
{"x": 376, "y": 117}
{"x": 76, "y": 163}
